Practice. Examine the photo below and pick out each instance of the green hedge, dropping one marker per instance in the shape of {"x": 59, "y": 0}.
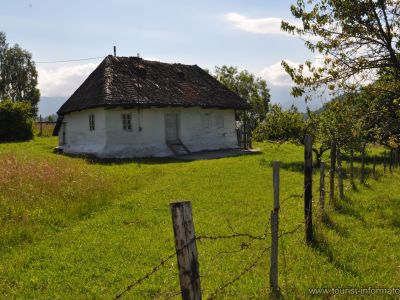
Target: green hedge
{"x": 15, "y": 121}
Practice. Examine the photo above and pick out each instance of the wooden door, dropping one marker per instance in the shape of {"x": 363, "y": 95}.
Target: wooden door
{"x": 64, "y": 134}
{"x": 171, "y": 127}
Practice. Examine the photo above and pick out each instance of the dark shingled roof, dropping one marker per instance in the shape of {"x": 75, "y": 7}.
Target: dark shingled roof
{"x": 115, "y": 83}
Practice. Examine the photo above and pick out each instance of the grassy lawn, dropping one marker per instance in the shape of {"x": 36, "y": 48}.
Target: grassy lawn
{"x": 71, "y": 228}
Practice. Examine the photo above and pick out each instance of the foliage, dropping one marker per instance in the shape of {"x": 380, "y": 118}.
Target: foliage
{"x": 18, "y": 75}
{"x": 15, "y": 121}
{"x": 253, "y": 89}
{"x": 341, "y": 121}
{"x": 380, "y": 104}
{"x": 280, "y": 125}
{"x": 75, "y": 229}
{"x": 356, "y": 40}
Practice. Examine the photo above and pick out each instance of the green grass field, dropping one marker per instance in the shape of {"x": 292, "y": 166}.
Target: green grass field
{"x": 76, "y": 229}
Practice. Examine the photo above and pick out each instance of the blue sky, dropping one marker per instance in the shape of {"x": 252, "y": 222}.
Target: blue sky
{"x": 208, "y": 33}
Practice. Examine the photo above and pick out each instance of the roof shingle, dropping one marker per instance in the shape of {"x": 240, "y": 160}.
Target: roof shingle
{"x": 132, "y": 82}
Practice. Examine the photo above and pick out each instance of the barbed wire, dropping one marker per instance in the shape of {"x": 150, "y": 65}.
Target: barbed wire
{"x": 252, "y": 265}
{"x": 291, "y": 197}
{"x": 201, "y": 237}
{"x": 243, "y": 272}
{"x": 147, "y": 275}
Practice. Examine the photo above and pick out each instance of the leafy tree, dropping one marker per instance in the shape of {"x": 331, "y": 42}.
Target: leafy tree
{"x": 341, "y": 120}
{"x": 253, "y": 89}
{"x": 379, "y": 105}
{"x": 18, "y": 75}
{"x": 280, "y": 125}
{"x": 15, "y": 121}
{"x": 356, "y": 40}
{"x": 51, "y": 118}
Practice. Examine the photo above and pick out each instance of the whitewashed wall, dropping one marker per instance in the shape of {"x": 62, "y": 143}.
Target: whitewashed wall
{"x": 79, "y": 139}
{"x": 197, "y": 129}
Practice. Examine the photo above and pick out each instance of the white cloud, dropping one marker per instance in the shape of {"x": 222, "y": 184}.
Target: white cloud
{"x": 63, "y": 80}
{"x": 276, "y": 75}
{"x": 260, "y": 25}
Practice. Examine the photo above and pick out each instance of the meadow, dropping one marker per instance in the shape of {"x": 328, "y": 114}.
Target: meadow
{"x": 84, "y": 229}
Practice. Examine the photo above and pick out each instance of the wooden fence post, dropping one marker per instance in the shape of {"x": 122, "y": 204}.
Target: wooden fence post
{"x": 308, "y": 188}
{"x": 273, "y": 272}
{"x": 340, "y": 173}
{"x": 374, "y": 167}
{"x": 384, "y": 162}
{"x": 352, "y": 166}
{"x": 362, "y": 179}
{"x": 322, "y": 187}
{"x": 186, "y": 250}
{"x": 40, "y": 126}
{"x": 391, "y": 160}
{"x": 332, "y": 173}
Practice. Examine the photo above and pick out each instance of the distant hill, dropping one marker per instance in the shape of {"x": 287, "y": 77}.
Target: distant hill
{"x": 50, "y": 105}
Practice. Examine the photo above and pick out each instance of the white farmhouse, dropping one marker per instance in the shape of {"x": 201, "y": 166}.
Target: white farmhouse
{"x": 130, "y": 107}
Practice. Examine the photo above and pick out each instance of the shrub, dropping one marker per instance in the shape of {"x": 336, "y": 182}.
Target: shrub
{"x": 280, "y": 125}
{"x": 15, "y": 121}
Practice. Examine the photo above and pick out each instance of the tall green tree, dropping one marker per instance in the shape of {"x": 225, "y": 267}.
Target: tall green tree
{"x": 281, "y": 125}
{"x": 354, "y": 38}
{"x": 251, "y": 88}
{"x": 18, "y": 74}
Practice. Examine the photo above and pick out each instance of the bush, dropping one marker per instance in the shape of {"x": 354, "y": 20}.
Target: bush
{"x": 280, "y": 125}
{"x": 15, "y": 121}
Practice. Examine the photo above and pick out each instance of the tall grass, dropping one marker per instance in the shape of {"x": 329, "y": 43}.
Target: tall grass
{"x": 38, "y": 193}
{"x": 47, "y": 129}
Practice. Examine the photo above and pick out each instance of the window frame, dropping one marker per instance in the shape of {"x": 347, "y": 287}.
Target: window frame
{"x": 126, "y": 121}
{"x": 92, "y": 122}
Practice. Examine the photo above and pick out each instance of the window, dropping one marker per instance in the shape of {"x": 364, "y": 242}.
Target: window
{"x": 91, "y": 122}
{"x": 127, "y": 122}
{"x": 219, "y": 120}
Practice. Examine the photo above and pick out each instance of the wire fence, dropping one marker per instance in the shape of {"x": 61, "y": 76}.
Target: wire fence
{"x": 245, "y": 245}
{"x": 266, "y": 235}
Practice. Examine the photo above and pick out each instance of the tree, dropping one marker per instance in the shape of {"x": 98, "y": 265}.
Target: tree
{"x": 341, "y": 120}
{"x": 18, "y": 75}
{"x": 253, "y": 89}
{"x": 15, "y": 121}
{"x": 380, "y": 109}
{"x": 280, "y": 125}
{"x": 356, "y": 39}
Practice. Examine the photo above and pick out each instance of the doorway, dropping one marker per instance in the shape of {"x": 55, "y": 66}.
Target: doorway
{"x": 171, "y": 127}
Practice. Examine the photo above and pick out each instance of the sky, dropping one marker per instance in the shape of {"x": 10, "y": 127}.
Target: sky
{"x": 245, "y": 34}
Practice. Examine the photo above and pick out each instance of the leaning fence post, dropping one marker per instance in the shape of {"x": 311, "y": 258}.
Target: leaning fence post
{"x": 322, "y": 187}
{"x": 340, "y": 173}
{"x": 332, "y": 173}
{"x": 273, "y": 272}
{"x": 308, "y": 188}
{"x": 186, "y": 250}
